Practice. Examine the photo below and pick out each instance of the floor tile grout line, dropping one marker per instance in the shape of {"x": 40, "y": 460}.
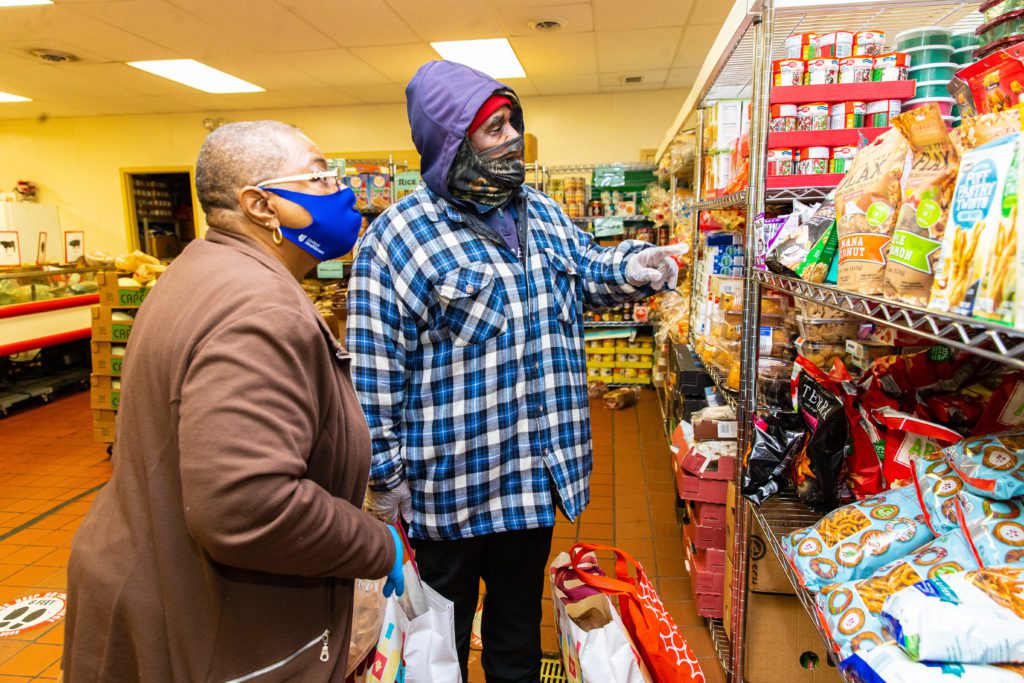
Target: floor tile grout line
{"x": 44, "y": 515}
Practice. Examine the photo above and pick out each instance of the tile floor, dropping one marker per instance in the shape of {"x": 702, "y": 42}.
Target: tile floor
{"x": 50, "y": 471}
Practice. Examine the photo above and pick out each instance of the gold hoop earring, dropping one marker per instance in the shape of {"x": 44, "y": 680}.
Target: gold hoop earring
{"x": 278, "y": 237}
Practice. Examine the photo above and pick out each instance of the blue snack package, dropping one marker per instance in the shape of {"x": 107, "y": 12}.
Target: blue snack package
{"x": 990, "y": 466}
{"x": 889, "y": 664}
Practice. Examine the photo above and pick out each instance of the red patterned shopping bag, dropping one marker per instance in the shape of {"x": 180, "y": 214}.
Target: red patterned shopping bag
{"x": 661, "y": 645}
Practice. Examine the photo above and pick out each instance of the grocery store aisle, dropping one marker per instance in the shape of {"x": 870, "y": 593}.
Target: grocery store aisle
{"x": 50, "y": 471}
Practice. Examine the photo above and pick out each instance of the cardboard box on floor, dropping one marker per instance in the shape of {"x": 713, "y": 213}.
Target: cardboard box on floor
{"x": 730, "y": 532}
{"x": 766, "y": 573}
{"x": 782, "y": 643}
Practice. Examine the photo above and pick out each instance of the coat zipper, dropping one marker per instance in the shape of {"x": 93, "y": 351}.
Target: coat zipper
{"x": 324, "y": 656}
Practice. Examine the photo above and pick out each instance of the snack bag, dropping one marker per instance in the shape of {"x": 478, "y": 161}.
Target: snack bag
{"x": 864, "y": 461}
{"x": 806, "y": 249}
{"x": 926, "y": 198}
{"x": 854, "y": 541}
{"x": 818, "y": 470}
{"x": 867, "y": 201}
{"x": 991, "y": 466}
{"x": 907, "y": 437}
{"x": 941, "y": 491}
{"x": 1004, "y": 409}
{"x": 850, "y": 611}
{"x": 777, "y": 438}
{"x": 987, "y": 607}
{"x": 982, "y": 218}
{"x": 889, "y": 664}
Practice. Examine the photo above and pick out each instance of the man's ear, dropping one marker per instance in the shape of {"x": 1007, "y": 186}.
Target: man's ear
{"x": 257, "y": 208}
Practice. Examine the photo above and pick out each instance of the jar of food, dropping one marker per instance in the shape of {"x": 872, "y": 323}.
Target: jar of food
{"x": 878, "y": 114}
{"x": 780, "y": 162}
{"x": 783, "y": 118}
{"x": 891, "y": 67}
{"x": 788, "y": 72}
{"x": 869, "y": 43}
{"x": 813, "y": 160}
{"x": 813, "y": 116}
{"x": 837, "y": 45}
{"x": 802, "y": 46}
{"x": 841, "y": 159}
{"x": 847, "y": 115}
{"x": 822, "y": 71}
{"x": 856, "y": 69}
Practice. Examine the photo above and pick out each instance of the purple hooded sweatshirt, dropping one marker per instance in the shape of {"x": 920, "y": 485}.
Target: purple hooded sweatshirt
{"x": 442, "y": 100}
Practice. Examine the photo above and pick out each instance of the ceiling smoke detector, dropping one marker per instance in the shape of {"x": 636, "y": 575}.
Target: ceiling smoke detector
{"x": 53, "y": 56}
{"x": 632, "y": 80}
{"x": 548, "y": 25}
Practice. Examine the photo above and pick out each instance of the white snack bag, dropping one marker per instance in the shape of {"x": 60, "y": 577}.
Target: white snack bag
{"x": 889, "y": 664}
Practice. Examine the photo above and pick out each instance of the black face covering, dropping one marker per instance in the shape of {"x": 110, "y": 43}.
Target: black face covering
{"x": 488, "y": 177}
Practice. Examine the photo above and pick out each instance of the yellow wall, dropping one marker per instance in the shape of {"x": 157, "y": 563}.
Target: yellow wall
{"x": 77, "y": 161}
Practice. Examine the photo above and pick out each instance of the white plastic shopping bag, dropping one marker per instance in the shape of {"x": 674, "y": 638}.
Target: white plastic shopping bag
{"x": 594, "y": 643}
{"x": 430, "y": 652}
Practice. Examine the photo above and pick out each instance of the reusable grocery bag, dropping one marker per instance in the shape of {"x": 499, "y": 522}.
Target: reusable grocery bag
{"x": 388, "y": 664}
{"x": 662, "y": 647}
{"x": 594, "y": 643}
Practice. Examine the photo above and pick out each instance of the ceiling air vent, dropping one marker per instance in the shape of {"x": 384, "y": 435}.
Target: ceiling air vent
{"x": 53, "y": 56}
{"x": 632, "y": 80}
{"x": 549, "y": 25}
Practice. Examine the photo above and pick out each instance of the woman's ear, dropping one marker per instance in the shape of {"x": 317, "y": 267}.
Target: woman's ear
{"x": 257, "y": 208}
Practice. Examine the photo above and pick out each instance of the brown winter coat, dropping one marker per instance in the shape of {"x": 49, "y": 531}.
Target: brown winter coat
{"x": 228, "y": 537}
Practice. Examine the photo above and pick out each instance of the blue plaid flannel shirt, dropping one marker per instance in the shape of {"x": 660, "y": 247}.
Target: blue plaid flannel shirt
{"x": 469, "y": 361}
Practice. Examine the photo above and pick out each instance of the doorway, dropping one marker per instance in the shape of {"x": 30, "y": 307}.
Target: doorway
{"x": 161, "y": 210}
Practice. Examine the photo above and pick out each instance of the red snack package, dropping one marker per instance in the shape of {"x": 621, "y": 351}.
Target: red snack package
{"x": 907, "y": 437}
{"x": 1005, "y": 409}
{"x": 864, "y": 462}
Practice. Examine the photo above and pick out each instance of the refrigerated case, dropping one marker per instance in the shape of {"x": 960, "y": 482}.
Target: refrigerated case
{"x": 41, "y": 307}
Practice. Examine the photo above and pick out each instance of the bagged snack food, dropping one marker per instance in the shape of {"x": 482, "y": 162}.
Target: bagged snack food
{"x": 855, "y": 541}
{"x": 806, "y": 251}
{"x": 908, "y": 437}
{"x": 864, "y": 459}
{"x": 987, "y": 607}
{"x": 941, "y": 492}
{"x": 976, "y": 131}
{"x": 617, "y": 399}
{"x": 889, "y": 664}
{"x": 778, "y": 436}
{"x": 921, "y": 221}
{"x": 982, "y": 219}
{"x": 766, "y": 228}
{"x": 1004, "y": 409}
{"x": 867, "y": 201}
{"x": 818, "y": 469}
{"x": 991, "y": 466}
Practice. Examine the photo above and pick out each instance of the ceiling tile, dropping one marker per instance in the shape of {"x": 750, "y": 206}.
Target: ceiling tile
{"x": 682, "y": 78}
{"x": 707, "y": 12}
{"x": 333, "y": 67}
{"x": 566, "y": 85}
{"x": 267, "y": 24}
{"x": 376, "y": 94}
{"x": 397, "y": 62}
{"x": 265, "y": 70}
{"x": 649, "y": 78}
{"x": 523, "y": 87}
{"x": 536, "y": 3}
{"x": 112, "y": 79}
{"x": 695, "y": 45}
{"x": 640, "y": 49}
{"x": 449, "y": 19}
{"x": 32, "y": 110}
{"x": 556, "y": 55}
{"x": 323, "y": 96}
{"x": 612, "y": 15}
{"x": 579, "y": 18}
{"x": 354, "y": 23}
{"x": 631, "y": 88}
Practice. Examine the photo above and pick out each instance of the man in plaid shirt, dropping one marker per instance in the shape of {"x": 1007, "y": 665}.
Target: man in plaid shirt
{"x": 466, "y": 324}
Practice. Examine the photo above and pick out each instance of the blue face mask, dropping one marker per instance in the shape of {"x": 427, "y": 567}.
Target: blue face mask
{"x": 335, "y": 225}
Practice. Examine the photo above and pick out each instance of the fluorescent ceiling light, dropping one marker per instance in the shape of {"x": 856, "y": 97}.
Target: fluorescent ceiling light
{"x": 493, "y": 56}
{"x": 196, "y": 75}
{"x": 8, "y": 97}
{"x": 24, "y": 3}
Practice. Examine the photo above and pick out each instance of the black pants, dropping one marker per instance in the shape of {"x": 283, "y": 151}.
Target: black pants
{"x": 512, "y": 565}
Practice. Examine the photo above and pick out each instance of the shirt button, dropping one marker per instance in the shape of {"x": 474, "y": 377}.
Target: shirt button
{"x": 469, "y": 289}
{"x": 540, "y": 409}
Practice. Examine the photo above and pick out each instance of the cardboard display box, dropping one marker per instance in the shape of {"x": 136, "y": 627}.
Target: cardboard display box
{"x": 103, "y": 423}
{"x": 715, "y": 430}
{"x": 708, "y": 605}
{"x": 766, "y": 574}
{"x": 105, "y": 328}
{"x": 107, "y": 358}
{"x": 701, "y": 490}
{"x": 708, "y": 514}
{"x": 704, "y": 537}
{"x": 113, "y": 295}
{"x": 106, "y": 393}
{"x": 782, "y": 643}
{"x": 698, "y": 464}
{"x": 727, "y": 597}
{"x": 705, "y": 580}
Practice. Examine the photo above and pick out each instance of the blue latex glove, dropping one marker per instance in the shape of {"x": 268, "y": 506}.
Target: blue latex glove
{"x": 396, "y": 582}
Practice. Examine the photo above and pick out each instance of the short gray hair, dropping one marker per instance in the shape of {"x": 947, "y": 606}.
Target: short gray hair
{"x": 236, "y": 155}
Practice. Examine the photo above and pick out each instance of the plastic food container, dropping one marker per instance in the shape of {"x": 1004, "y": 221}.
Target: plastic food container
{"x": 945, "y": 104}
{"x": 931, "y": 89}
{"x": 1001, "y": 27}
{"x": 788, "y": 72}
{"x": 933, "y": 72}
{"x": 780, "y": 162}
{"x": 869, "y": 43}
{"x": 934, "y": 54}
{"x": 814, "y": 310}
{"x": 813, "y": 160}
{"x": 822, "y": 71}
{"x": 828, "y": 329}
{"x": 773, "y": 385}
{"x": 964, "y": 55}
{"x": 813, "y": 116}
{"x": 835, "y": 45}
{"x": 783, "y": 118}
{"x": 1006, "y": 43}
{"x": 842, "y": 157}
{"x": 967, "y": 38}
{"x": 856, "y": 69}
{"x": 802, "y": 46}
{"x": 991, "y": 9}
{"x": 823, "y": 354}
{"x": 921, "y": 37}
{"x": 774, "y": 305}
{"x": 890, "y": 67}
{"x": 847, "y": 115}
{"x": 878, "y": 114}
{"x": 773, "y": 341}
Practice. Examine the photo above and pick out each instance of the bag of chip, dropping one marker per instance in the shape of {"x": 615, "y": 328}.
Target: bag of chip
{"x": 818, "y": 469}
{"x": 864, "y": 460}
{"x": 778, "y": 436}
{"x": 1004, "y": 409}
{"x": 991, "y": 466}
{"x": 850, "y": 611}
{"x": 941, "y": 491}
{"x": 927, "y": 193}
{"x": 805, "y": 249}
{"x": 867, "y": 202}
{"x": 963, "y": 410}
{"x": 889, "y": 664}
{"x": 908, "y": 437}
{"x": 981, "y": 224}
{"x": 856, "y": 540}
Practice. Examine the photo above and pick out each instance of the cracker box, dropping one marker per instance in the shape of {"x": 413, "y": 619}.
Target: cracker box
{"x": 121, "y": 291}
{"x": 109, "y": 325}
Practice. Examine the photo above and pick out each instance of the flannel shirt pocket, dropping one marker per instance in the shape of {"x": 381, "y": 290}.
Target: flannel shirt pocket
{"x": 564, "y": 282}
{"x": 472, "y": 306}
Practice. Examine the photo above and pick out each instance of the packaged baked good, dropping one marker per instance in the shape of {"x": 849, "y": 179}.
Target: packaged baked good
{"x": 774, "y": 384}
{"x": 889, "y": 664}
{"x": 822, "y": 354}
{"x": 856, "y": 540}
{"x": 773, "y": 341}
{"x": 867, "y": 201}
{"x": 928, "y": 191}
{"x": 828, "y": 329}
{"x": 991, "y": 466}
{"x": 814, "y": 310}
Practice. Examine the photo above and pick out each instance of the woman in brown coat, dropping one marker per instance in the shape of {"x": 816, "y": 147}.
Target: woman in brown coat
{"x": 225, "y": 546}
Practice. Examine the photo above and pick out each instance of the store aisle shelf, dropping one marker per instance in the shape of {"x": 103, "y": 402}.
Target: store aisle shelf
{"x": 723, "y": 648}
{"x": 843, "y": 92}
{"x": 731, "y": 397}
{"x": 839, "y": 137}
{"x": 989, "y": 340}
{"x": 626, "y": 323}
{"x": 724, "y": 202}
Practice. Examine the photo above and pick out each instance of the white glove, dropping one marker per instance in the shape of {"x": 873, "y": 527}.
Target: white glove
{"x": 386, "y": 505}
{"x": 655, "y": 267}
